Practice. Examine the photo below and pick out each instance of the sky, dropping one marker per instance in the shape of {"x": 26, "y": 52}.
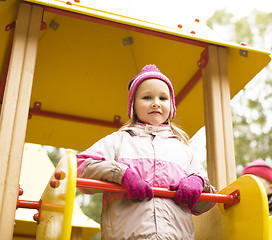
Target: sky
{"x": 171, "y": 13}
{"x": 179, "y": 9}
{"x": 240, "y": 8}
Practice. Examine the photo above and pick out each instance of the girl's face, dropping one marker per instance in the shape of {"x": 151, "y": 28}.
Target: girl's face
{"x": 152, "y": 102}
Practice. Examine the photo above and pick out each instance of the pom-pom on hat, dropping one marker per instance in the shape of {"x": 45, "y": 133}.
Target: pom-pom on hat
{"x": 259, "y": 168}
{"x": 148, "y": 72}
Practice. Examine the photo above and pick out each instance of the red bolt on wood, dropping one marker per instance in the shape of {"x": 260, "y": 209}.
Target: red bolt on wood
{"x": 43, "y": 26}
{"x": 36, "y": 217}
{"x": 69, "y": 3}
{"x": 202, "y": 62}
{"x": 179, "y": 26}
{"x": 60, "y": 175}
{"x": 243, "y": 43}
{"x": 21, "y": 191}
{"x": 77, "y": 1}
{"x": 116, "y": 119}
{"x": 54, "y": 183}
{"x": 196, "y": 20}
{"x": 193, "y": 32}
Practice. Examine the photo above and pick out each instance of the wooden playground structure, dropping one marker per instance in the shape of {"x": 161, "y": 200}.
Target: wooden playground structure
{"x": 65, "y": 66}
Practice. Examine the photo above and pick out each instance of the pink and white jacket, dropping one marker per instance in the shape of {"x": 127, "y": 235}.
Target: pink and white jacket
{"x": 161, "y": 158}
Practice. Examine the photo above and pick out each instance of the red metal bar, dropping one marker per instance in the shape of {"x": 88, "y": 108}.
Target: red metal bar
{"x": 63, "y": 116}
{"x": 23, "y": 236}
{"x": 28, "y": 204}
{"x": 193, "y": 81}
{"x": 5, "y": 72}
{"x": 187, "y": 88}
{"x": 158, "y": 192}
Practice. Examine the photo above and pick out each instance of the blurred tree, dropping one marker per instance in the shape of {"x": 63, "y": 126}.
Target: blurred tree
{"x": 91, "y": 205}
{"x": 252, "y": 107}
{"x": 54, "y": 153}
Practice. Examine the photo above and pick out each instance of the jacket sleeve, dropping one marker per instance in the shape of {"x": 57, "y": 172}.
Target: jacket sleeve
{"x": 200, "y": 206}
{"x": 99, "y": 162}
{"x": 197, "y": 169}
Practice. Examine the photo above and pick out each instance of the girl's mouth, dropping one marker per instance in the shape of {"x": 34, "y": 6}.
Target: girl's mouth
{"x": 155, "y": 112}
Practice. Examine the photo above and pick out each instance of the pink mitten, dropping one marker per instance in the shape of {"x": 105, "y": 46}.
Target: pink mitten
{"x": 137, "y": 188}
{"x": 188, "y": 191}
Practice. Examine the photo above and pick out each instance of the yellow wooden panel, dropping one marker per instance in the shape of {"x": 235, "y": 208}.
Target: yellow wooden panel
{"x": 57, "y": 203}
{"x": 270, "y": 227}
{"x": 248, "y": 219}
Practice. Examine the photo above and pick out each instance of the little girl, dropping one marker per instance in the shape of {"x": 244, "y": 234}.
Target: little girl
{"x": 149, "y": 151}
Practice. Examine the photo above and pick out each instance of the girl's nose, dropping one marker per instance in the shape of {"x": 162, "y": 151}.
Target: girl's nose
{"x": 156, "y": 103}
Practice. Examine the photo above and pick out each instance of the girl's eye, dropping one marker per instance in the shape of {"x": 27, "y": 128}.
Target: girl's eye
{"x": 146, "y": 97}
{"x": 163, "y": 98}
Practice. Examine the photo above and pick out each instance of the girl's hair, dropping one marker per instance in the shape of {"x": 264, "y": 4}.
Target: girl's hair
{"x": 179, "y": 132}
{"x": 175, "y": 128}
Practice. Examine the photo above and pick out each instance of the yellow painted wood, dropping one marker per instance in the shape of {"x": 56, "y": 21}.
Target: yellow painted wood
{"x": 57, "y": 203}
{"x": 248, "y": 219}
{"x": 270, "y": 227}
{"x": 17, "y": 99}
{"x": 37, "y": 165}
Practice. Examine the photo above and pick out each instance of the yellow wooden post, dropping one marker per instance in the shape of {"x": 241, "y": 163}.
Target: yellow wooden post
{"x": 14, "y": 113}
{"x": 219, "y": 136}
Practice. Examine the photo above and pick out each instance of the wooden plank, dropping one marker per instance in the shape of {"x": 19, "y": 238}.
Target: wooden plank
{"x": 9, "y": 105}
{"x": 213, "y": 120}
{"x": 227, "y": 116}
{"x": 219, "y": 137}
{"x": 20, "y": 121}
{"x": 76, "y": 233}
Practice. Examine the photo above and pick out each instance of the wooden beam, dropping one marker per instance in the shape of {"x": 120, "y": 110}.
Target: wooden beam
{"x": 76, "y": 233}
{"x": 226, "y": 117}
{"x": 218, "y": 119}
{"x": 219, "y": 137}
{"x": 14, "y": 112}
{"x": 11, "y": 93}
{"x": 214, "y": 120}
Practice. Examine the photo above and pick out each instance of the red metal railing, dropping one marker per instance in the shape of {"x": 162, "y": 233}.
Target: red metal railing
{"x": 158, "y": 192}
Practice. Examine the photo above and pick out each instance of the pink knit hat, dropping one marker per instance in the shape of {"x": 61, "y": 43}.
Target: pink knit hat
{"x": 149, "y": 71}
{"x": 259, "y": 168}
